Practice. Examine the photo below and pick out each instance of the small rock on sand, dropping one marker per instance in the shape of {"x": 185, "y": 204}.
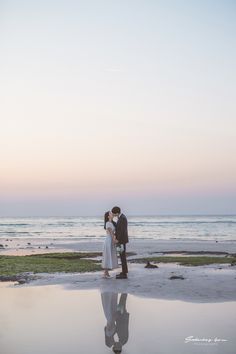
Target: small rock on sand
{"x": 149, "y": 265}
{"x": 176, "y": 277}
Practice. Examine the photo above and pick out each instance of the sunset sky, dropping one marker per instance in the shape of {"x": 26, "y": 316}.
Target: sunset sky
{"x": 117, "y": 102}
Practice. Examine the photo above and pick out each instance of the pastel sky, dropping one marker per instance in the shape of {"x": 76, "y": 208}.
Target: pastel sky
{"x": 117, "y": 102}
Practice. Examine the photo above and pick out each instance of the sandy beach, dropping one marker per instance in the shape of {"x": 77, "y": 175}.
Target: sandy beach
{"x": 190, "y": 313}
{"x": 141, "y": 247}
{"x": 200, "y": 284}
{"x": 208, "y": 283}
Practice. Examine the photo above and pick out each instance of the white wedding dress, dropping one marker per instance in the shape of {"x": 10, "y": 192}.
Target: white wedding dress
{"x": 109, "y": 255}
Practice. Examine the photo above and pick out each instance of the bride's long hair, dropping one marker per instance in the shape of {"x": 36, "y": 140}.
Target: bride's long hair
{"x": 106, "y": 218}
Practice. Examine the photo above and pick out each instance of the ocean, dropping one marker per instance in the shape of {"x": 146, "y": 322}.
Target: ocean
{"x": 220, "y": 227}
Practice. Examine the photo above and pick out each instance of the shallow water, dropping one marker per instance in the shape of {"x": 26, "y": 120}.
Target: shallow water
{"x": 53, "y": 320}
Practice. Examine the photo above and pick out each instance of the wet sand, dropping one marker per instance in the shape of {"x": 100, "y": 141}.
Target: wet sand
{"x": 141, "y": 247}
{"x": 68, "y": 313}
{"x": 64, "y": 320}
{"x": 211, "y": 283}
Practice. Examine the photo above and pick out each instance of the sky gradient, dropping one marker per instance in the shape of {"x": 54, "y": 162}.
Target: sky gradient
{"x": 117, "y": 102}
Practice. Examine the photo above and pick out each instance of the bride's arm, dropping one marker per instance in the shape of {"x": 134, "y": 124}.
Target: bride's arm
{"x": 112, "y": 235}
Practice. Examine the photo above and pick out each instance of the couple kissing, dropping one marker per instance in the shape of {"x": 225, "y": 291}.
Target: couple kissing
{"x": 115, "y": 242}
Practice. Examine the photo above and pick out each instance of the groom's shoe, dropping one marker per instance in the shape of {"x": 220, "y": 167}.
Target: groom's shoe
{"x": 121, "y": 276}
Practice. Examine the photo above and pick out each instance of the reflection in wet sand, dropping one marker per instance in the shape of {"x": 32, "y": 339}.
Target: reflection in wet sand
{"x": 117, "y": 320}
{"x": 50, "y": 319}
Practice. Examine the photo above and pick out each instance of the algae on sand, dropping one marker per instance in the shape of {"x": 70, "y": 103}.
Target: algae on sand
{"x": 49, "y": 263}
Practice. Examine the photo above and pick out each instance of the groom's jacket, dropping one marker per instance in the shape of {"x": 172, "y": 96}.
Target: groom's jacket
{"x": 122, "y": 229}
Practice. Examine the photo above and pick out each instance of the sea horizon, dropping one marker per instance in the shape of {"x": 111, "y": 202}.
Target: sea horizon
{"x": 130, "y": 215}
{"x": 143, "y": 227}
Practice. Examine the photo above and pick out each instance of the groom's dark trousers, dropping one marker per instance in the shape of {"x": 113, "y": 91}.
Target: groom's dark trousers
{"x": 122, "y": 237}
{"x": 124, "y": 261}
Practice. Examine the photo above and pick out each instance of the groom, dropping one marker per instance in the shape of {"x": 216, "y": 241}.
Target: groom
{"x": 122, "y": 237}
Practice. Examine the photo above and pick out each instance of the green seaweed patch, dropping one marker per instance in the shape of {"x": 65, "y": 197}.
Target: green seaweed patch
{"x": 187, "y": 261}
{"x": 71, "y": 262}
{"x": 67, "y": 255}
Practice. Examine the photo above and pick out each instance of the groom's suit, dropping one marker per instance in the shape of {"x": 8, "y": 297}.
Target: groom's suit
{"x": 122, "y": 237}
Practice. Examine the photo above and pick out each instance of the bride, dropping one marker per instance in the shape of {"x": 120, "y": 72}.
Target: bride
{"x": 109, "y": 255}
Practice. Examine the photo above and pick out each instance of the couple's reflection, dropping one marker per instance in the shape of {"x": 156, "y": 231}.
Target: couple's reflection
{"x": 117, "y": 320}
